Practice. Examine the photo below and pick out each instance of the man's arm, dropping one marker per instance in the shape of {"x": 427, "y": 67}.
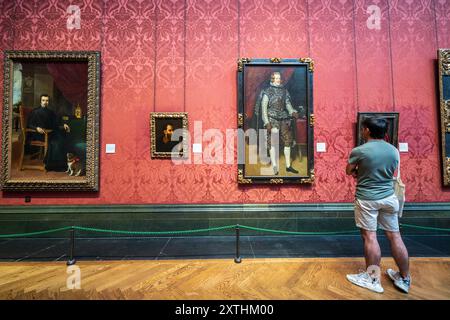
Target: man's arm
{"x": 292, "y": 112}
{"x": 33, "y": 123}
{"x": 352, "y": 164}
{"x": 58, "y": 123}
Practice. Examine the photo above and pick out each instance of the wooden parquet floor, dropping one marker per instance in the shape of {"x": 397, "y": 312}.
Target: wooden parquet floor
{"x": 274, "y": 279}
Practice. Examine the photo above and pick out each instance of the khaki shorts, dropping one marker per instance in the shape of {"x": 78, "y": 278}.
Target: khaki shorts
{"x": 383, "y": 212}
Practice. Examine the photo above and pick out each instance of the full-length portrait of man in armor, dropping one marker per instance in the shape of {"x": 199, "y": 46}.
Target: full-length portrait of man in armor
{"x": 275, "y": 109}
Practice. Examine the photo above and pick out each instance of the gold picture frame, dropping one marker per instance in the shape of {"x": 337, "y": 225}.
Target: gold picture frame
{"x": 259, "y": 162}
{"x": 63, "y": 79}
{"x": 444, "y": 108}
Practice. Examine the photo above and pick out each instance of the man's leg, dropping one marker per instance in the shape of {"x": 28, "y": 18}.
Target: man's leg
{"x": 388, "y": 220}
{"x": 274, "y": 142}
{"x": 372, "y": 252}
{"x": 366, "y": 213}
{"x": 288, "y": 139}
{"x": 370, "y": 278}
{"x": 273, "y": 156}
{"x": 287, "y": 156}
{"x": 399, "y": 252}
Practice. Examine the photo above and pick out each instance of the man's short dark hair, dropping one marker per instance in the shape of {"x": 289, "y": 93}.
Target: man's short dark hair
{"x": 377, "y": 127}
{"x": 43, "y": 95}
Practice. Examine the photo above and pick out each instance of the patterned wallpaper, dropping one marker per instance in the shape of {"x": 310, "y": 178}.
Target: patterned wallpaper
{"x": 180, "y": 55}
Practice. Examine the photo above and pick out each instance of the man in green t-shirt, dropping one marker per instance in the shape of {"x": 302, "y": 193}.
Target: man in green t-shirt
{"x": 373, "y": 165}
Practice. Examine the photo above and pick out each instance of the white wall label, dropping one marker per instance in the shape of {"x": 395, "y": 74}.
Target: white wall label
{"x": 110, "y": 148}
{"x": 321, "y": 147}
{"x": 403, "y": 147}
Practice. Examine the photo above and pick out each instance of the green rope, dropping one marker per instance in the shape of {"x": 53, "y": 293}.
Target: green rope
{"x": 424, "y": 228}
{"x": 14, "y": 235}
{"x": 155, "y": 232}
{"x": 297, "y": 233}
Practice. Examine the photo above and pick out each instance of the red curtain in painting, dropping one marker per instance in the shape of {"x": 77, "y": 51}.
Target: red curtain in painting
{"x": 71, "y": 80}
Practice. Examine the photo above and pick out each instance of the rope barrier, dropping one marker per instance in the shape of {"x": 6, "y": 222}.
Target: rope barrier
{"x": 296, "y": 232}
{"x": 16, "y": 235}
{"x": 71, "y": 257}
{"x": 149, "y": 233}
{"x": 424, "y": 228}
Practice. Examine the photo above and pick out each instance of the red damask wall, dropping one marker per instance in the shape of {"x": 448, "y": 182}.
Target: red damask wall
{"x": 180, "y": 55}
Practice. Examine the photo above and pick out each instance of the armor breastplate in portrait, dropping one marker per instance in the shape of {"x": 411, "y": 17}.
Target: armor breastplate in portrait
{"x": 277, "y": 102}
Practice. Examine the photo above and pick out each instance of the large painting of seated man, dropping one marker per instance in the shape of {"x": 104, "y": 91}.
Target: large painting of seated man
{"x": 51, "y": 121}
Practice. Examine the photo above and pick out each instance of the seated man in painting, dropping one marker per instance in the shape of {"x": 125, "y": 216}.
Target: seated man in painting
{"x": 44, "y": 119}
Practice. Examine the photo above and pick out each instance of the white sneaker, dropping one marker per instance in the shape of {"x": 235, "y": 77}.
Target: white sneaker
{"x": 401, "y": 283}
{"x": 364, "y": 280}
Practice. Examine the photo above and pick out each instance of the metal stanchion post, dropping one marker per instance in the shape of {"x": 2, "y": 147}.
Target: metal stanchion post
{"x": 71, "y": 260}
{"x": 237, "y": 259}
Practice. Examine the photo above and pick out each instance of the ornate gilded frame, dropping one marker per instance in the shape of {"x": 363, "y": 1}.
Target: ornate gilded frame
{"x": 154, "y": 117}
{"x": 243, "y": 66}
{"x": 392, "y": 117}
{"x": 91, "y": 178}
{"x": 444, "y": 103}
